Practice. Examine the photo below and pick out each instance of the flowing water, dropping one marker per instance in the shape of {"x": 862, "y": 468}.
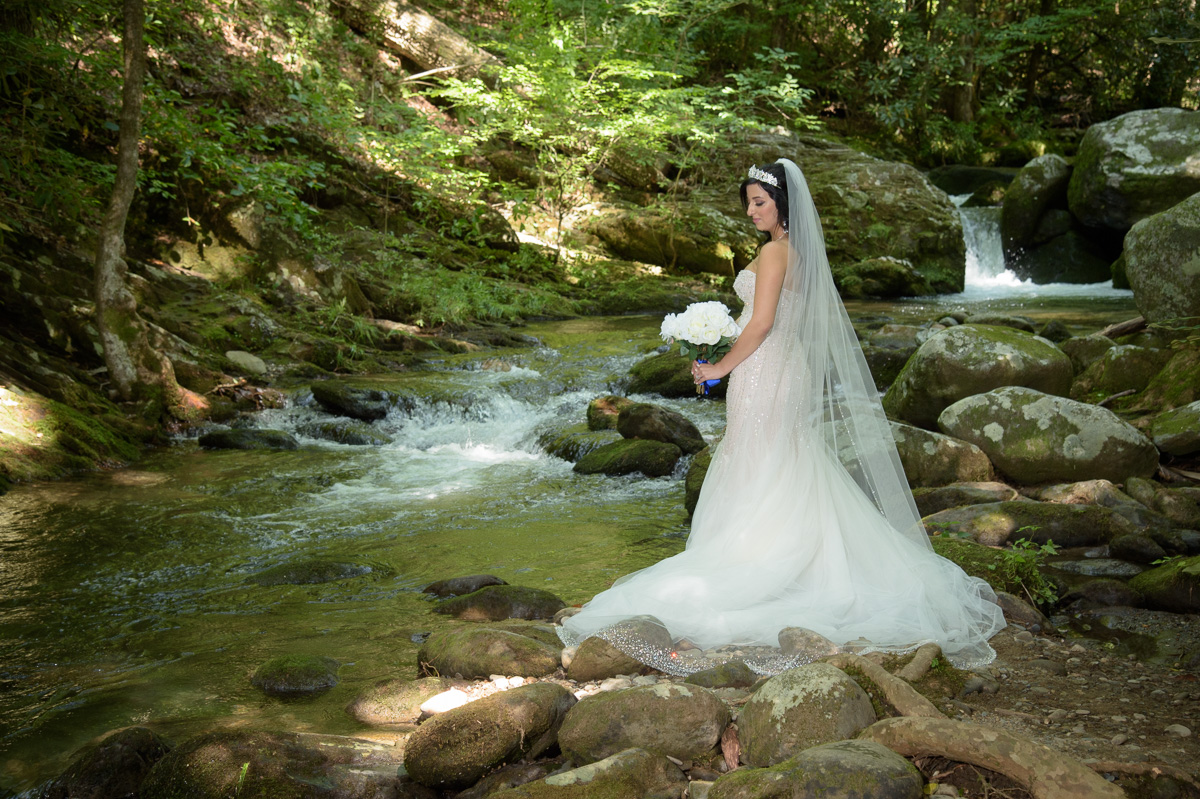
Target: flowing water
{"x": 124, "y": 596}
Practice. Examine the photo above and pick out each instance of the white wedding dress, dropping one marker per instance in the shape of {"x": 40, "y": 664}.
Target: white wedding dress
{"x": 784, "y": 537}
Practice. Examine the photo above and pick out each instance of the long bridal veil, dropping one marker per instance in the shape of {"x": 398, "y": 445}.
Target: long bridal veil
{"x": 805, "y": 519}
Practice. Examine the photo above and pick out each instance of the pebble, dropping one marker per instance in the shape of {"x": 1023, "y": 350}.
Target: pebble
{"x": 1178, "y": 730}
{"x": 1025, "y": 637}
{"x": 616, "y": 684}
{"x": 1118, "y": 740}
{"x": 645, "y": 679}
{"x": 1057, "y": 715}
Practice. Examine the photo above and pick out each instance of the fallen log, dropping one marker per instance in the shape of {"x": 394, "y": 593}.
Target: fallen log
{"x": 901, "y": 695}
{"x": 1045, "y": 773}
{"x": 418, "y": 36}
{"x": 1124, "y": 328}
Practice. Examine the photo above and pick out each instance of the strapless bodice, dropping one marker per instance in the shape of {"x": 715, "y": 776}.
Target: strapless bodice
{"x": 743, "y": 286}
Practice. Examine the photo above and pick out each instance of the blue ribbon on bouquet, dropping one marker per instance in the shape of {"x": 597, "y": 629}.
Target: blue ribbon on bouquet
{"x": 702, "y": 388}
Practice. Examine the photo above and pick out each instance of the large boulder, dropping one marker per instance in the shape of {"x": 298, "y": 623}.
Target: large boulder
{"x": 456, "y": 748}
{"x": 1085, "y": 350}
{"x": 1177, "y": 384}
{"x": 839, "y": 770}
{"x": 668, "y": 374}
{"x": 1041, "y": 184}
{"x": 997, "y": 523}
{"x": 933, "y": 459}
{"x": 1069, "y": 257}
{"x": 880, "y": 277}
{"x": 1104, "y": 494}
{"x": 1162, "y": 259}
{"x": 682, "y": 721}
{"x": 1135, "y": 166}
{"x": 971, "y": 359}
{"x": 656, "y": 423}
{"x": 1177, "y": 432}
{"x": 800, "y": 708}
{"x": 651, "y": 458}
{"x": 479, "y": 652}
{"x": 693, "y": 481}
{"x": 689, "y": 236}
{"x": 498, "y": 602}
{"x": 932, "y": 500}
{"x": 631, "y": 774}
{"x": 1039, "y": 438}
{"x": 602, "y": 412}
{"x": 869, "y": 208}
{"x": 575, "y": 441}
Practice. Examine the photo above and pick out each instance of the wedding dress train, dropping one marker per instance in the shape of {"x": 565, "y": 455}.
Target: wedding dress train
{"x": 784, "y": 536}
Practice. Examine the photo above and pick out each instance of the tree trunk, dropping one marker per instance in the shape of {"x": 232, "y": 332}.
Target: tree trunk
{"x": 137, "y": 371}
{"x": 416, "y": 35}
{"x": 962, "y": 91}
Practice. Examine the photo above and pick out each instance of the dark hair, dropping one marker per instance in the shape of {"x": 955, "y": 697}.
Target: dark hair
{"x": 778, "y": 194}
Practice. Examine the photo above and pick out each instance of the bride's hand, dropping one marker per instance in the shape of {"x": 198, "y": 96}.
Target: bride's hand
{"x": 706, "y": 371}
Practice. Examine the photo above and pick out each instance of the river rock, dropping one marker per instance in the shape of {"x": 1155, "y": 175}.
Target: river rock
{"x": 880, "y": 277}
{"x": 496, "y": 602}
{"x": 800, "y": 708}
{"x": 110, "y": 769}
{"x": 631, "y": 774}
{"x": 997, "y": 523}
{"x": 513, "y": 775}
{"x": 1178, "y": 384}
{"x": 357, "y": 402}
{"x": 962, "y": 179}
{"x": 1177, "y": 432}
{"x": 1136, "y": 548}
{"x": 597, "y": 659}
{"x": 602, "y": 412}
{"x": 933, "y": 500}
{"x": 249, "y": 438}
{"x": 971, "y": 359}
{"x": 734, "y": 674}
{"x": 574, "y": 442}
{"x": 459, "y": 586}
{"x": 1134, "y": 166}
{"x": 933, "y": 459}
{"x": 1161, "y": 261}
{"x": 688, "y": 236}
{"x": 456, "y": 748}
{"x": 651, "y": 458}
{"x": 655, "y": 423}
{"x": 1102, "y": 593}
{"x": 1071, "y": 257}
{"x": 693, "y": 481}
{"x": 479, "y": 652}
{"x": 230, "y": 763}
{"x": 668, "y": 374}
{"x": 1173, "y": 586}
{"x": 352, "y": 432}
{"x": 1021, "y": 613}
{"x": 1122, "y": 368}
{"x": 888, "y": 349}
{"x": 296, "y": 675}
{"x": 1084, "y": 350}
{"x": 308, "y": 572}
{"x": 1021, "y": 323}
{"x": 391, "y": 702}
{"x": 1041, "y": 184}
{"x": 838, "y": 770}
{"x": 1035, "y": 438}
{"x": 682, "y": 721}
{"x": 1104, "y": 493}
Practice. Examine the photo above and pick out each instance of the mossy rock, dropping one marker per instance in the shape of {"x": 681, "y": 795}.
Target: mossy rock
{"x": 296, "y": 675}
{"x": 1000, "y": 570}
{"x": 631, "y": 774}
{"x": 249, "y": 438}
{"x": 651, "y": 422}
{"x": 681, "y": 721}
{"x": 1085, "y": 350}
{"x": 460, "y": 586}
{"x": 1174, "y": 586}
{"x": 1177, "y": 432}
{"x": 651, "y": 458}
{"x": 575, "y": 442}
{"x": 115, "y": 766}
{"x": 1124, "y": 367}
{"x": 668, "y": 374}
{"x": 933, "y": 500}
{"x": 395, "y": 701}
{"x": 497, "y": 602}
{"x": 479, "y": 652}
{"x": 308, "y": 572}
{"x": 998, "y": 523}
{"x": 880, "y": 277}
{"x": 354, "y": 433}
{"x": 456, "y": 748}
{"x": 1176, "y": 384}
{"x": 734, "y": 674}
{"x": 933, "y": 459}
{"x": 602, "y": 412}
{"x": 838, "y": 770}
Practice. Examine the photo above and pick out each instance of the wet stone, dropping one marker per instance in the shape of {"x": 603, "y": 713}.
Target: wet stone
{"x": 296, "y": 675}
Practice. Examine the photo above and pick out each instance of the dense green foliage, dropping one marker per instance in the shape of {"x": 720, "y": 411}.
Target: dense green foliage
{"x": 280, "y": 103}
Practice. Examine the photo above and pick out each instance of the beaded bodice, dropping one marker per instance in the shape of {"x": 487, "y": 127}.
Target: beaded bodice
{"x": 743, "y": 286}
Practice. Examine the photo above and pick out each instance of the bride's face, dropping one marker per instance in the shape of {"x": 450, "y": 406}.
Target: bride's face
{"x": 761, "y": 208}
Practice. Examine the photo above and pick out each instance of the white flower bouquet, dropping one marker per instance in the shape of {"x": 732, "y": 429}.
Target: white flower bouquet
{"x": 705, "y": 332}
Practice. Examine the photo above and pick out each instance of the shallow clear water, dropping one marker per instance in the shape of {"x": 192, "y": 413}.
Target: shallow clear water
{"x": 124, "y": 596}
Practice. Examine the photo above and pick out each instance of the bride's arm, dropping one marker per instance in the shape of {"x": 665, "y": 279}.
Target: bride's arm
{"x": 768, "y": 281}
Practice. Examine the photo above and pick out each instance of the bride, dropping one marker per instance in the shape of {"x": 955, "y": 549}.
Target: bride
{"x": 805, "y": 519}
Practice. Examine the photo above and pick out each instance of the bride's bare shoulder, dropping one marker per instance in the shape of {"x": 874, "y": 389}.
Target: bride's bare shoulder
{"x": 773, "y": 255}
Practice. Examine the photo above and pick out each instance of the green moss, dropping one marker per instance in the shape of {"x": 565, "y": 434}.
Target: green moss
{"x": 1002, "y": 570}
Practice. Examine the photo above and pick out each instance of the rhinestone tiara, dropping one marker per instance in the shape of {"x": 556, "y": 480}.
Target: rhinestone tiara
{"x": 763, "y": 177}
